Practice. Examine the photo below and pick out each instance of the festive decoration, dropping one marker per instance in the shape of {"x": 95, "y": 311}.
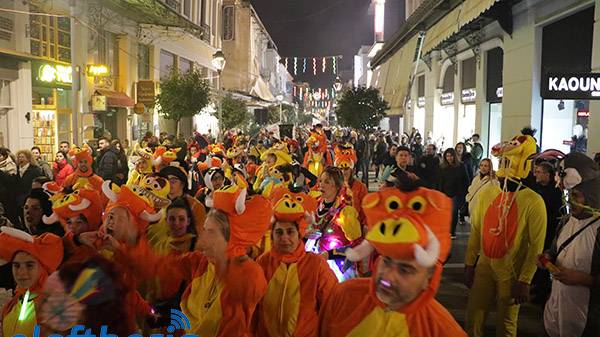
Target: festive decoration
{"x": 324, "y": 64}
{"x": 304, "y": 66}
{"x": 314, "y": 66}
{"x": 295, "y": 66}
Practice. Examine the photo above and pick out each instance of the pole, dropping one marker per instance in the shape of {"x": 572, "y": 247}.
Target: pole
{"x": 280, "y": 114}
{"x": 219, "y": 104}
{"x": 76, "y": 86}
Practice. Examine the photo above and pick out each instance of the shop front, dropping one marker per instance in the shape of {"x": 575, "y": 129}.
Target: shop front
{"x": 111, "y": 113}
{"x": 567, "y": 84}
{"x": 51, "y": 106}
{"x": 443, "y": 117}
{"x": 494, "y": 94}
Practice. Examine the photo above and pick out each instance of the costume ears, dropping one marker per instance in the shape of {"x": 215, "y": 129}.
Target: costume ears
{"x": 111, "y": 191}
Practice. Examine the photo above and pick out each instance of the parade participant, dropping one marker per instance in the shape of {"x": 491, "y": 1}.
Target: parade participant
{"x": 298, "y": 282}
{"x": 194, "y": 153}
{"x": 410, "y": 228}
{"x": 317, "y": 157}
{"x": 163, "y": 156}
{"x": 177, "y": 176}
{"x": 37, "y": 206}
{"x": 214, "y": 179}
{"x": 33, "y": 259}
{"x": 143, "y": 165}
{"x": 225, "y": 285}
{"x": 572, "y": 309}
{"x": 91, "y": 293}
{"x": 337, "y": 222}
{"x": 84, "y": 174}
{"x": 345, "y": 158}
{"x": 507, "y": 234}
{"x": 275, "y": 156}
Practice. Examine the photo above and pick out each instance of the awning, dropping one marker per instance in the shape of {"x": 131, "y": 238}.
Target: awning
{"x": 450, "y": 24}
{"x": 116, "y": 99}
{"x": 401, "y": 67}
{"x": 261, "y": 89}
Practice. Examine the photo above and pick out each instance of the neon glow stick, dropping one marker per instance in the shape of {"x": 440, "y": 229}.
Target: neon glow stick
{"x": 24, "y": 306}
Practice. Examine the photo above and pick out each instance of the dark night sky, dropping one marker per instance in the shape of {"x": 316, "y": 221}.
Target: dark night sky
{"x": 318, "y": 28}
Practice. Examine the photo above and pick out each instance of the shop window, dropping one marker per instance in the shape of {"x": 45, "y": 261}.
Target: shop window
{"x": 565, "y": 125}
{"x": 187, "y": 8}
{"x": 143, "y": 62}
{"x": 466, "y": 122}
{"x": 50, "y": 37}
{"x": 443, "y": 127}
{"x": 494, "y": 129}
{"x": 185, "y": 65}
{"x": 167, "y": 63}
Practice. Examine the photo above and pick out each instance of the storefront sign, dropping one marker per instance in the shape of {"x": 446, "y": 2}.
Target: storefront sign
{"x": 97, "y": 70}
{"x": 52, "y": 74}
{"x": 468, "y": 95}
{"x": 447, "y": 98}
{"x": 145, "y": 91}
{"x": 571, "y": 86}
{"x": 420, "y": 102}
{"x": 139, "y": 108}
{"x": 583, "y": 113}
{"x": 99, "y": 103}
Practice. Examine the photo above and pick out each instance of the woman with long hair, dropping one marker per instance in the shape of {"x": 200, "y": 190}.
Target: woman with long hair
{"x": 122, "y": 162}
{"x": 61, "y": 168}
{"x": 485, "y": 176}
{"x": 454, "y": 183}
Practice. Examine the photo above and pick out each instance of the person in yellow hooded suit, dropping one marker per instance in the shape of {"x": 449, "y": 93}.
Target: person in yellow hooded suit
{"x": 298, "y": 282}
{"x": 508, "y": 232}
{"x": 410, "y": 228}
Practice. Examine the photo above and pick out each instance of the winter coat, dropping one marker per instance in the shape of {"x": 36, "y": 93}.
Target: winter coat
{"x": 453, "y": 181}
{"x": 8, "y": 166}
{"x": 429, "y": 170}
{"x": 45, "y": 167}
{"x": 108, "y": 164}
{"x": 62, "y": 170}
{"x": 24, "y": 181}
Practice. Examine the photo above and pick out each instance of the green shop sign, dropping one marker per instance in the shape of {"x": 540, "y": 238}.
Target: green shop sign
{"x": 51, "y": 74}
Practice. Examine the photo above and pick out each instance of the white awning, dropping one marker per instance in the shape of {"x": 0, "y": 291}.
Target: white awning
{"x": 261, "y": 89}
{"x": 450, "y": 24}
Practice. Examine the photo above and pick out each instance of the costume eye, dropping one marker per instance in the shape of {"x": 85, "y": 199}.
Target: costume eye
{"x": 393, "y": 203}
{"x": 418, "y": 204}
{"x": 299, "y": 199}
{"x": 156, "y": 186}
{"x": 287, "y": 196}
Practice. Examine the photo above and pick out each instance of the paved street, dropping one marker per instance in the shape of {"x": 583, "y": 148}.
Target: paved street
{"x": 453, "y": 293}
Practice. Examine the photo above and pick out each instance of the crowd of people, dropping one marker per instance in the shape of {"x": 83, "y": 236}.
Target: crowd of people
{"x": 275, "y": 235}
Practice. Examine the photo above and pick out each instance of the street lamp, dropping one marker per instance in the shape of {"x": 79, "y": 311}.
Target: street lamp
{"x": 280, "y": 99}
{"x": 218, "y": 61}
{"x": 337, "y": 85}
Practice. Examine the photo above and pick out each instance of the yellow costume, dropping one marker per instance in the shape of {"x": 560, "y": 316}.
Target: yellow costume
{"x": 508, "y": 231}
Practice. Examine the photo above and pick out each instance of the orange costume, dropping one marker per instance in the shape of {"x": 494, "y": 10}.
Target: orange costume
{"x": 345, "y": 158}
{"x": 299, "y": 283}
{"x": 317, "y": 157}
{"x": 218, "y": 304}
{"x": 47, "y": 249}
{"x": 84, "y": 174}
{"x": 403, "y": 226}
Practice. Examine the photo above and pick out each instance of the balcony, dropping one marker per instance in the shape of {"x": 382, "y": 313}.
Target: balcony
{"x": 205, "y": 29}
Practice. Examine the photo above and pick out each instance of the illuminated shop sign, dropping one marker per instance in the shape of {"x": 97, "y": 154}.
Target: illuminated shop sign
{"x": 571, "y": 86}
{"x": 447, "y": 98}
{"x": 52, "y": 74}
{"x": 420, "y": 102}
{"x": 468, "y": 95}
{"x": 97, "y": 70}
{"x": 500, "y": 92}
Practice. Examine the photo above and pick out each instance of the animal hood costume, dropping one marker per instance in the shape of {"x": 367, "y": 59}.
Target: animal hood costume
{"x": 403, "y": 226}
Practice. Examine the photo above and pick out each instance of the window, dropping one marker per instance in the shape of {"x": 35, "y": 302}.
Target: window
{"x": 187, "y": 9}
{"x": 50, "y": 37}
{"x": 167, "y": 63}
{"x": 185, "y": 65}
{"x": 143, "y": 62}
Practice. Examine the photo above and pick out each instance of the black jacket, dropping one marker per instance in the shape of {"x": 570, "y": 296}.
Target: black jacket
{"x": 553, "y": 199}
{"x": 24, "y": 182}
{"x": 429, "y": 170}
{"x": 108, "y": 163}
{"x": 453, "y": 181}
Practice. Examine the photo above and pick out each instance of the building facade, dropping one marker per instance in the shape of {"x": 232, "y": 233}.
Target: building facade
{"x": 76, "y": 70}
{"x": 492, "y": 67}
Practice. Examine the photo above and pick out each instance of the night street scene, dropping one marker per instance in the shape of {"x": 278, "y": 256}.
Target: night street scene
{"x": 299, "y": 168}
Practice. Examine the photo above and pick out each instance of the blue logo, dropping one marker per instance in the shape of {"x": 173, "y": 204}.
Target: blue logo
{"x": 179, "y": 321}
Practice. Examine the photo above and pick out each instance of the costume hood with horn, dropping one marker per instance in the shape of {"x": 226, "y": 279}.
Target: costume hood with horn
{"x": 411, "y": 226}
{"x": 47, "y": 249}
{"x": 298, "y": 282}
{"x": 84, "y": 201}
{"x": 84, "y": 173}
{"x": 317, "y": 157}
{"x": 508, "y": 232}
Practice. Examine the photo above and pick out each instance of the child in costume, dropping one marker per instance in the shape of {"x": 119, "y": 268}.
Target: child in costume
{"x": 33, "y": 259}
{"x": 507, "y": 233}
{"x": 410, "y": 228}
{"x": 298, "y": 282}
{"x": 224, "y": 284}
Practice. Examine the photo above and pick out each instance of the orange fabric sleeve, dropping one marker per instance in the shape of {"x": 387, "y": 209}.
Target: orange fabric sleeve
{"x": 245, "y": 285}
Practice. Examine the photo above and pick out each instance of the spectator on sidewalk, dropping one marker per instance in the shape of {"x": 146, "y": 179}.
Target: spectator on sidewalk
{"x": 41, "y": 162}
{"x": 108, "y": 160}
{"x": 429, "y": 166}
{"x": 27, "y": 170}
{"x": 486, "y": 175}
{"x": 454, "y": 183}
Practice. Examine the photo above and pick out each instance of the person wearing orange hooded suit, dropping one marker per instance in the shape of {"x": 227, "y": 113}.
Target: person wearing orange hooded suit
{"x": 84, "y": 174}
{"x": 224, "y": 284}
{"x": 299, "y": 282}
{"x": 410, "y": 228}
{"x": 508, "y": 232}
{"x": 33, "y": 259}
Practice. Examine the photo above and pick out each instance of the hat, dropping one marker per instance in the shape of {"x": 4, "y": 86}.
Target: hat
{"x": 46, "y": 248}
{"x": 248, "y": 219}
{"x": 175, "y": 169}
{"x": 297, "y": 207}
{"x": 83, "y": 201}
{"x": 515, "y": 156}
{"x": 412, "y": 225}
{"x": 344, "y": 156}
{"x": 83, "y": 154}
{"x": 580, "y": 172}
